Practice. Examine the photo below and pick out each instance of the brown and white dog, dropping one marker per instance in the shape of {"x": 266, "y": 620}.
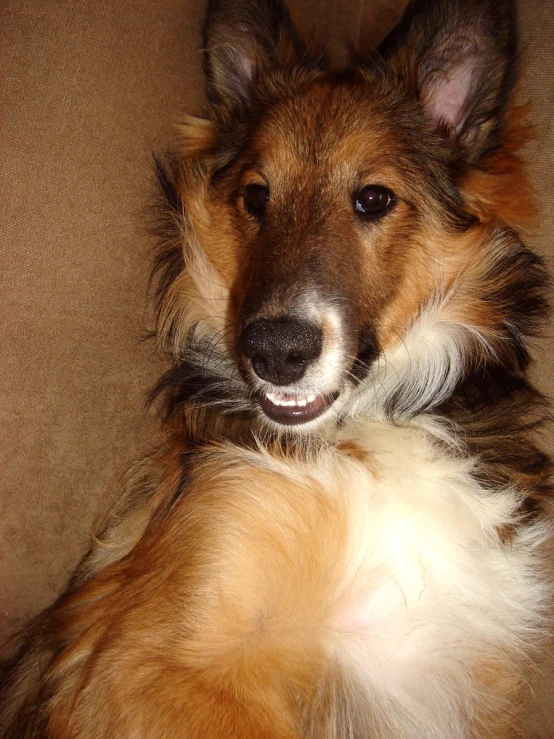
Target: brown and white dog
{"x": 346, "y": 533}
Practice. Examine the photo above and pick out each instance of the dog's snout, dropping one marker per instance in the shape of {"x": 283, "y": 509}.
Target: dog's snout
{"x": 280, "y": 349}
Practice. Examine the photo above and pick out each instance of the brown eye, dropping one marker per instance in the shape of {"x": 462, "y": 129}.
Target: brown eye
{"x": 373, "y": 202}
{"x": 255, "y": 200}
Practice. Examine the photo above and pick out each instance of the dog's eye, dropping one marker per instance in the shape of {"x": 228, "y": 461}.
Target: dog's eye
{"x": 373, "y": 201}
{"x": 255, "y": 199}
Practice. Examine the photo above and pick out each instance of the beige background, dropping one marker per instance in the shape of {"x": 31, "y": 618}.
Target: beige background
{"x": 88, "y": 89}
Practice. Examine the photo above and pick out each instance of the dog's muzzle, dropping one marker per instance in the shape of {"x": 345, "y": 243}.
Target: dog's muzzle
{"x": 280, "y": 351}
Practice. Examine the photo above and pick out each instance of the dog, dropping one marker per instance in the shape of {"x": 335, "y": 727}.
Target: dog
{"x": 347, "y": 530}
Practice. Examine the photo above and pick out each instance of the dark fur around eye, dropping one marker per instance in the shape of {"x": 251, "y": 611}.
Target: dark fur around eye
{"x": 255, "y": 199}
{"x": 373, "y": 202}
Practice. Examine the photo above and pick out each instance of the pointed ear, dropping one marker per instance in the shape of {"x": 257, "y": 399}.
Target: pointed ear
{"x": 459, "y": 58}
{"x": 242, "y": 40}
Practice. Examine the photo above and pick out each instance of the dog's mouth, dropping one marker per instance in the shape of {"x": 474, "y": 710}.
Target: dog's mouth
{"x": 293, "y": 409}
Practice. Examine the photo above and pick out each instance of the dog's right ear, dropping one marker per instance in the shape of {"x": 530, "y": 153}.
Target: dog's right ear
{"x": 459, "y": 58}
{"x": 243, "y": 40}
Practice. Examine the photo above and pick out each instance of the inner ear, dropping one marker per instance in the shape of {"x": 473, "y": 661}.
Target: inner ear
{"x": 243, "y": 40}
{"x": 446, "y": 95}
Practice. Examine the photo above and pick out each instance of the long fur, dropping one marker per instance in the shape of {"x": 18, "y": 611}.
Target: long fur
{"x": 381, "y": 569}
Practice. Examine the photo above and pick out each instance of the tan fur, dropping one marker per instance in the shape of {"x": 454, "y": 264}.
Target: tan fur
{"x": 266, "y": 625}
{"x": 507, "y": 687}
{"x": 501, "y": 192}
{"x": 198, "y": 136}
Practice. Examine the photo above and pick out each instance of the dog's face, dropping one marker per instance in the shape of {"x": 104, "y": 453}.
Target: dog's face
{"x": 330, "y": 203}
{"x": 346, "y": 242}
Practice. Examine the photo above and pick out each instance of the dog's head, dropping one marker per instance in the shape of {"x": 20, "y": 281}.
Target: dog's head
{"x": 347, "y": 236}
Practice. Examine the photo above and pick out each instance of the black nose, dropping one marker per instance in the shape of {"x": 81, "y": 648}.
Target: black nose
{"x": 280, "y": 349}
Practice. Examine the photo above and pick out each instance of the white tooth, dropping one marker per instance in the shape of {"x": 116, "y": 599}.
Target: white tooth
{"x": 290, "y": 401}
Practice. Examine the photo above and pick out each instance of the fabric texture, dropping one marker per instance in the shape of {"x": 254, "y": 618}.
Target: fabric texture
{"x": 88, "y": 89}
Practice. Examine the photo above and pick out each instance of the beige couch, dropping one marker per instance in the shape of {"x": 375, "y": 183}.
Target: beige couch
{"x": 89, "y": 89}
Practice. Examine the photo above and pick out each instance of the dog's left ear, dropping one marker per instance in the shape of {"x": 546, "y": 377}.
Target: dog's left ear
{"x": 458, "y": 57}
{"x": 243, "y": 40}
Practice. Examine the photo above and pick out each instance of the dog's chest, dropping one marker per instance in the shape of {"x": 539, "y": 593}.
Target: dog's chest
{"x": 426, "y": 581}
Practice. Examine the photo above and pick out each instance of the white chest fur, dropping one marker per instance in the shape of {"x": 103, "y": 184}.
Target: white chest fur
{"x": 430, "y": 602}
